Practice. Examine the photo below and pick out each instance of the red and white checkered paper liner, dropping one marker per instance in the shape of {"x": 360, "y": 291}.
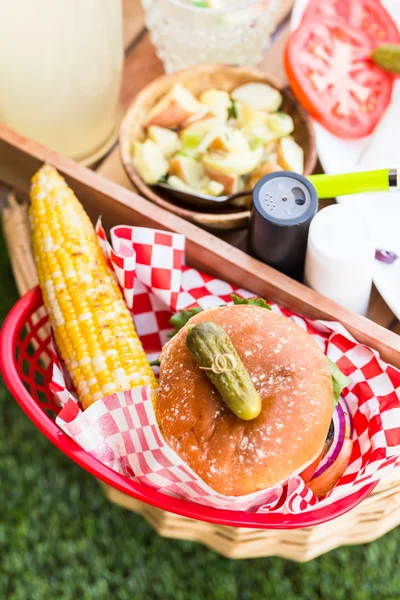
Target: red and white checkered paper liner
{"x": 121, "y": 430}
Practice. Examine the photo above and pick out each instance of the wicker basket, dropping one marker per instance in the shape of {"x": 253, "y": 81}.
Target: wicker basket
{"x": 376, "y": 515}
{"x": 371, "y": 519}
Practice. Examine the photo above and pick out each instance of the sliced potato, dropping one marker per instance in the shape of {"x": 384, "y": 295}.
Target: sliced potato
{"x": 204, "y": 115}
{"x": 190, "y": 142}
{"x": 202, "y": 125}
{"x": 174, "y": 108}
{"x": 221, "y": 142}
{"x": 188, "y": 169}
{"x": 229, "y": 140}
{"x": 265, "y": 168}
{"x": 213, "y": 188}
{"x": 281, "y": 123}
{"x": 238, "y": 142}
{"x": 230, "y": 183}
{"x": 167, "y": 139}
{"x": 217, "y": 102}
{"x": 149, "y": 161}
{"x": 218, "y": 138}
{"x": 195, "y": 144}
{"x": 193, "y": 135}
{"x": 209, "y": 138}
{"x": 233, "y": 163}
{"x": 270, "y": 153}
{"x": 260, "y": 132}
{"x": 258, "y": 95}
{"x": 177, "y": 183}
{"x": 291, "y": 155}
{"x": 248, "y": 115}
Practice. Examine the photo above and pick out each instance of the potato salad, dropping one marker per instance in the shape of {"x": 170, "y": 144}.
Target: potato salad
{"x": 219, "y": 143}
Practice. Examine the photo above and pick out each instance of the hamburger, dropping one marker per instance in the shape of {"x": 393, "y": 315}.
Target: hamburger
{"x": 246, "y": 400}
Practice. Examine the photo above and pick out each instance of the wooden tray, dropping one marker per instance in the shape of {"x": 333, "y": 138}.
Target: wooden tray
{"x": 20, "y": 158}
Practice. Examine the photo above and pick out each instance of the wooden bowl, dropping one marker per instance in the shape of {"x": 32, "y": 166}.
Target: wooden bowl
{"x": 197, "y": 80}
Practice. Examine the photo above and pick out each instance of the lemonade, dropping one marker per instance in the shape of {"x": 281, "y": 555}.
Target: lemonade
{"x": 60, "y": 71}
{"x": 191, "y": 32}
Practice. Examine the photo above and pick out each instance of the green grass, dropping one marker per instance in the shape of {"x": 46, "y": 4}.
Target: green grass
{"x": 60, "y": 539}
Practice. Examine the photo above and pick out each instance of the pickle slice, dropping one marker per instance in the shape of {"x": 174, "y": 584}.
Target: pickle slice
{"x": 212, "y": 349}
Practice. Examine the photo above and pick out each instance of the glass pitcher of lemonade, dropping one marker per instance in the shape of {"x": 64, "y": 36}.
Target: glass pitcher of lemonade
{"x": 60, "y": 72}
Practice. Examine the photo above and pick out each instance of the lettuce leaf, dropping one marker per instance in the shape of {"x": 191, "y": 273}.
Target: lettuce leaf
{"x": 180, "y": 319}
{"x": 339, "y": 381}
{"x": 252, "y": 301}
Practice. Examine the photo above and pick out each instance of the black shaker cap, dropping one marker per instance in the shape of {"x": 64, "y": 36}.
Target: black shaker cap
{"x": 285, "y": 198}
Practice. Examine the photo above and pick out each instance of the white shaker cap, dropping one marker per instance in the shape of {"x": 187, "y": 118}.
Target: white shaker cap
{"x": 340, "y": 257}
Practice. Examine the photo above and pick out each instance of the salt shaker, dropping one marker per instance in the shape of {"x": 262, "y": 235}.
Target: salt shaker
{"x": 340, "y": 257}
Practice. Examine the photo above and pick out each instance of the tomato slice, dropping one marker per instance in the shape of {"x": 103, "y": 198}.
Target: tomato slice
{"x": 327, "y": 64}
{"x": 324, "y": 483}
{"x": 368, "y": 16}
{"x": 307, "y": 474}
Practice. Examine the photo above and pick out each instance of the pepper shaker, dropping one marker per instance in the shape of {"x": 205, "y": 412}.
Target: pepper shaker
{"x": 284, "y": 204}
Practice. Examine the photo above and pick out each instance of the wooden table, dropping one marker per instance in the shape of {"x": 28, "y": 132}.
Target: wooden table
{"x": 142, "y": 66}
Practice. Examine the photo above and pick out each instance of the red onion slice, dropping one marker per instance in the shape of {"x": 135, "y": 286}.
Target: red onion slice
{"x": 386, "y": 256}
{"x": 342, "y": 429}
{"x": 347, "y": 414}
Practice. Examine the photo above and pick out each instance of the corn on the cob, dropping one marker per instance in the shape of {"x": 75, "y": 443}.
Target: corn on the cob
{"x": 92, "y": 326}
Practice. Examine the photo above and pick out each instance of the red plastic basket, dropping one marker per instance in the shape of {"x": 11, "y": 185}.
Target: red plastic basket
{"x": 25, "y": 366}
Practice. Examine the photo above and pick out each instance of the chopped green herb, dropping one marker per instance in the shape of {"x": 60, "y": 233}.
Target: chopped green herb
{"x": 181, "y": 318}
{"x": 252, "y": 301}
{"x": 155, "y": 363}
{"x": 232, "y": 111}
{"x": 339, "y": 381}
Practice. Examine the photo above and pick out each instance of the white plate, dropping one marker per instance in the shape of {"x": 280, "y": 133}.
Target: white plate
{"x": 380, "y": 150}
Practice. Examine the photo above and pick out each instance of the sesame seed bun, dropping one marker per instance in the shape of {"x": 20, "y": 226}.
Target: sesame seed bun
{"x": 290, "y": 373}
